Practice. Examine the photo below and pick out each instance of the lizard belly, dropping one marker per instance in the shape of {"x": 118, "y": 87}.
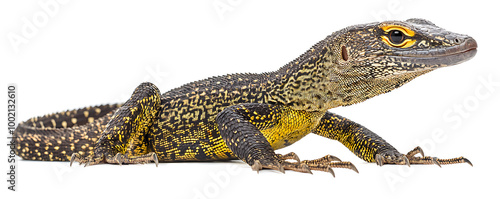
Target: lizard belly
{"x": 291, "y": 126}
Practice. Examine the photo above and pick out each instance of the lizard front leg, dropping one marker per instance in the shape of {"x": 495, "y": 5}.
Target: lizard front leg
{"x": 252, "y": 131}
{"x": 371, "y": 147}
{"x": 245, "y": 140}
{"x": 124, "y": 138}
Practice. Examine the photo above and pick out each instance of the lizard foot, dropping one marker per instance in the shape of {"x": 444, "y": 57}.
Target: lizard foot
{"x": 88, "y": 161}
{"x": 141, "y": 159}
{"x": 326, "y": 164}
{"x": 117, "y": 159}
{"x": 392, "y": 157}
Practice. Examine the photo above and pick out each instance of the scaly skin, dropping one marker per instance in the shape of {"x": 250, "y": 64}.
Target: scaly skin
{"x": 249, "y": 116}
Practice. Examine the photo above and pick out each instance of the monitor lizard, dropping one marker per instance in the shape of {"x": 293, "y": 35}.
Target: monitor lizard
{"x": 249, "y": 116}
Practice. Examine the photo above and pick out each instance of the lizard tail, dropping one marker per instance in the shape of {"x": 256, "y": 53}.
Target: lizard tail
{"x": 55, "y": 137}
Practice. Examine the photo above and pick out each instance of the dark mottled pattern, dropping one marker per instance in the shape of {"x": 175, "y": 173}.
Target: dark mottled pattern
{"x": 248, "y": 116}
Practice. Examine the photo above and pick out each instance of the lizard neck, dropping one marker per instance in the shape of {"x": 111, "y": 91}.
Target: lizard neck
{"x": 303, "y": 84}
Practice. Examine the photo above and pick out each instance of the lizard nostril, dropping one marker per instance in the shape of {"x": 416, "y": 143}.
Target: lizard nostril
{"x": 471, "y": 43}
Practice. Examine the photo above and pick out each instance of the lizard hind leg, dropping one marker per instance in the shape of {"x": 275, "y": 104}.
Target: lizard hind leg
{"x": 125, "y": 138}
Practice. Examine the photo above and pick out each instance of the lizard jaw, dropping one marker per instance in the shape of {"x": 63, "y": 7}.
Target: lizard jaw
{"x": 438, "y": 58}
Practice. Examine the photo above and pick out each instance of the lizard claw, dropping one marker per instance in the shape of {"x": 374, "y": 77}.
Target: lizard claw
{"x": 289, "y": 156}
{"x": 155, "y": 159}
{"x": 352, "y": 167}
{"x": 468, "y": 162}
{"x": 257, "y": 166}
{"x": 415, "y": 151}
{"x": 434, "y": 160}
{"x": 333, "y": 158}
{"x": 281, "y": 168}
{"x": 74, "y": 156}
{"x": 379, "y": 159}
{"x": 406, "y": 161}
{"x": 330, "y": 170}
{"x": 306, "y": 168}
{"x": 119, "y": 158}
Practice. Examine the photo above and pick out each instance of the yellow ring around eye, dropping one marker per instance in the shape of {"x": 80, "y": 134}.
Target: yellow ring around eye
{"x": 405, "y": 44}
{"x": 403, "y": 29}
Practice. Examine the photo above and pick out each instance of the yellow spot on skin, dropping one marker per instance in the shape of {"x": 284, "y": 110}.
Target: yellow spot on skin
{"x": 91, "y": 119}
{"x": 86, "y": 113}
{"x": 73, "y": 120}
{"x": 97, "y": 111}
{"x": 56, "y": 148}
{"x": 64, "y": 124}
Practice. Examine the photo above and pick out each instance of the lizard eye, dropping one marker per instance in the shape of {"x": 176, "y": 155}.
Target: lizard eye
{"x": 396, "y": 36}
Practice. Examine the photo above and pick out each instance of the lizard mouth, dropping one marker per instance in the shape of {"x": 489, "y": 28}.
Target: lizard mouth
{"x": 436, "y": 58}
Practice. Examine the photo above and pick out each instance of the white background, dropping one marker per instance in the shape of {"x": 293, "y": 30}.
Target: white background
{"x": 93, "y": 52}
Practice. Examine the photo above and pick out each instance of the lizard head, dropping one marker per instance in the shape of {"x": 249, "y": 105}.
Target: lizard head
{"x": 371, "y": 59}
